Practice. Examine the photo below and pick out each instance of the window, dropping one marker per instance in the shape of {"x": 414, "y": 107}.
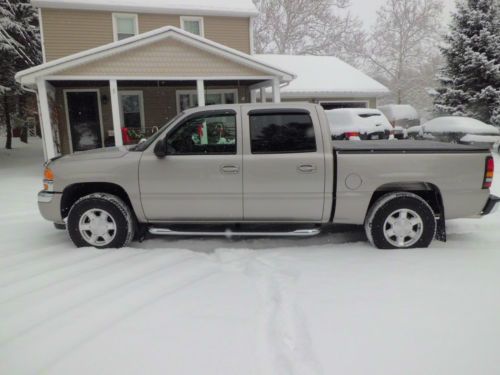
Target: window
{"x": 193, "y": 25}
{"x": 189, "y": 98}
{"x": 124, "y": 26}
{"x": 281, "y": 132}
{"x": 132, "y": 109}
{"x": 209, "y": 134}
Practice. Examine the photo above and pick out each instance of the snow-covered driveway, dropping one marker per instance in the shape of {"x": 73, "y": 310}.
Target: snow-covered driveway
{"x": 327, "y": 305}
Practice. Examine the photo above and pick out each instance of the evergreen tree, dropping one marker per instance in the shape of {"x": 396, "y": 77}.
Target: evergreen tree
{"x": 470, "y": 80}
{"x": 20, "y": 49}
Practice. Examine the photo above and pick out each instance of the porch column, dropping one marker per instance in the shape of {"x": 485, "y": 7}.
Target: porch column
{"x": 200, "y": 86}
{"x": 46, "y": 126}
{"x": 253, "y": 96}
{"x": 263, "y": 95}
{"x": 115, "y": 109}
{"x": 276, "y": 91}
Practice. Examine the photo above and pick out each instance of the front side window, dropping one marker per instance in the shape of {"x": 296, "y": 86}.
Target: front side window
{"x": 208, "y": 134}
{"x": 125, "y": 26}
{"x": 193, "y": 25}
{"x": 285, "y": 132}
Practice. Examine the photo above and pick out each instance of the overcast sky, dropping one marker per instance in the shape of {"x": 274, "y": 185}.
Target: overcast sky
{"x": 366, "y": 9}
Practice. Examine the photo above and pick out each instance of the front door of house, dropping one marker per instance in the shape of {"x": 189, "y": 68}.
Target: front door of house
{"x": 84, "y": 120}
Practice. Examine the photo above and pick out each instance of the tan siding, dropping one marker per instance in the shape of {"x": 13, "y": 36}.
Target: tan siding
{"x": 233, "y": 32}
{"x": 71, "y": 31}
{"x": 165, "y": 58}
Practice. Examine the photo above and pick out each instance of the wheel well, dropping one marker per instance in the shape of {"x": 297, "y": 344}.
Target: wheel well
{"x": 429, "y": 192}
{"x": 74, "y": 192}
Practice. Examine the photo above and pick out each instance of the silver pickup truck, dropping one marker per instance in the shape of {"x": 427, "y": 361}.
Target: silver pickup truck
{"x": 264, "y": 170}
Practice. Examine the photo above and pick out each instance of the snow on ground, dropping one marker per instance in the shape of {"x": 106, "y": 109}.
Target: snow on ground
{"x": 326, "y": 305}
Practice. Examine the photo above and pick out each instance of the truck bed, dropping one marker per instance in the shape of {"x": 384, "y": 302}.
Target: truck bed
{"x": 403, "y": 147}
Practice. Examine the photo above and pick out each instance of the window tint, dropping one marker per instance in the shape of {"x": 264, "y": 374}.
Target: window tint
{"x": 366, "y": 115}
{"x": 209, "y": 134}
{"x": 282, "y": 133}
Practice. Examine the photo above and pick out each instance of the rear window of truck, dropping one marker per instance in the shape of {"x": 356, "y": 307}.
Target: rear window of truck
{"x": 281, "y": 132}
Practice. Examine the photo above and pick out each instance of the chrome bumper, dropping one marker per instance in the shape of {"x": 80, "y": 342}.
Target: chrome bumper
{"x": 492, "y": 205}
{"x": 49, "y": 205}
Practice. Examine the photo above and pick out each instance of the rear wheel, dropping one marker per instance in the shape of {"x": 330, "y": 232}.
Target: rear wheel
{"x": 102, "y": 221}
{"x": 400, "y": 220}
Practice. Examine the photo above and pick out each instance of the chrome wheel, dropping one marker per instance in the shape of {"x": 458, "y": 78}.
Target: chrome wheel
{"x": 403, "y": 228}
{"x": 97, "y": 227}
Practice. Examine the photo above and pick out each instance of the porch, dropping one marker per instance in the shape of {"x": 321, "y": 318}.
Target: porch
{"x": 86, "y": 99}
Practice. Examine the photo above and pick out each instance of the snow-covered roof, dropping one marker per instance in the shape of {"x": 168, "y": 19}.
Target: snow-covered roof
{"x": 456, "y": 124}
{"x": 186, "y": 7}
{"x": 396, "y": 112}
{"x": 324, "y": 76}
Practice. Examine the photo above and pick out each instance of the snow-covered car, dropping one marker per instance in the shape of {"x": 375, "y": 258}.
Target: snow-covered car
{"x": 456, "y": 129}
{"x": 358, "y": 124}
{"x": 403, "y": 115}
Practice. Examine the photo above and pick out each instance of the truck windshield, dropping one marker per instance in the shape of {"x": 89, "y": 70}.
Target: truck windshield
{"x": 144, "y": 145}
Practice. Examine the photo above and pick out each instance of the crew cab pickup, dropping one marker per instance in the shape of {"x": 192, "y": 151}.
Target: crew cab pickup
{"x": 264, "y": 170}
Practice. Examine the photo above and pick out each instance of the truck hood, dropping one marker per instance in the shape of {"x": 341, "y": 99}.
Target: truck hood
{"x": 99, "y": 153}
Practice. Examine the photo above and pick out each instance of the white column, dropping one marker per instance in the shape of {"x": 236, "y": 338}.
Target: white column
{"x": 200, "y": 86}
{"x": 253, "y": 96}
{"x": 276, "y": 91}
{"x": 47, "y": 135}
{"x": 263, "y": 95}
{"x": 115, "y": 109}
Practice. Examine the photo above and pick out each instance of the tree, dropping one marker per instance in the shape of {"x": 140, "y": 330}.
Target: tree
{"x": 470, "y": 79}
{"x": 402, "y": 43}
{"x": 301, "y": 27}
{"x": 19, "y": 49}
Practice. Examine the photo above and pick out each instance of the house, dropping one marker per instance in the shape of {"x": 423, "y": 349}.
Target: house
{"x": 135, "y": 64}
{"x": 328, "y": 81}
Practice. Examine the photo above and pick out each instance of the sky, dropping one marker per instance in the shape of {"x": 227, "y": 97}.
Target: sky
{"x": 366, "y": 9}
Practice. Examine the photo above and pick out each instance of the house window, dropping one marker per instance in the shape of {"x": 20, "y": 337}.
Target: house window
{"x": 193, "y": 25}
{"x": 132, "y": 109}
{"x": 124, "y": 26}
{"x": 189, "y": 98}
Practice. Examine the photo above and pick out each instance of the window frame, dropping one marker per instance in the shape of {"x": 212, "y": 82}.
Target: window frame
{"x": 207, "y": 113}
{"x": 140, "y": 94}
{"x": 178, "y": 94}
{"x": 133, "y": 16}
{"x": 193, "y": 18}
{"x": 281, "y": 111}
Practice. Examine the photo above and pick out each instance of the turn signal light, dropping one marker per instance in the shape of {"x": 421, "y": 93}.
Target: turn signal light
{"x": 488, "y": 172}
{"x": 48, "y": 179}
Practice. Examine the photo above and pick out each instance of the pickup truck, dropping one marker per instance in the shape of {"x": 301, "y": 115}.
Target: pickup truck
{"x": 264, "y": 170}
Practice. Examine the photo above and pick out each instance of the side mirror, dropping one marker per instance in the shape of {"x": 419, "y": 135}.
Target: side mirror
{"x": 160, "y": 149}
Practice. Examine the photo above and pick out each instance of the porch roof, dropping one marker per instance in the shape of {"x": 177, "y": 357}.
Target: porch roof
{"x": 111, "y": 51}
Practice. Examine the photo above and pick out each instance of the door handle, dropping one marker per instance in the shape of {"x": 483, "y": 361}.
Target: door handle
{"x": 307, "y": 168}
{"x": 230, "y": 169}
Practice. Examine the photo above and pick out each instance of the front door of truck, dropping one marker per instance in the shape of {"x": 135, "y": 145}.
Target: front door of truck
{"x": 200, "y": 179}
{"x": 283, "y": 165}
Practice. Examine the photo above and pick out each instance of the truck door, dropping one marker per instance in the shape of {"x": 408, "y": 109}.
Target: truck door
{"x": 283, "y": 165}
{"x": 200, "y": 179}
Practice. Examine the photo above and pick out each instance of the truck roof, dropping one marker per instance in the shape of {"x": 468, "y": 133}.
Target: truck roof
{"x": 403, "y": 146}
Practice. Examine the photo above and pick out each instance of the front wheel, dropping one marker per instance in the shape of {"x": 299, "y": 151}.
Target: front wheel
{"x": 400, "y": 220}
{"x": 101, "y": 220}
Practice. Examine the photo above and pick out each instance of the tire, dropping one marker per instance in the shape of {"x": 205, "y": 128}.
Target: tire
{"x": 400, "y": 220}
{"x": 102, "y": 221}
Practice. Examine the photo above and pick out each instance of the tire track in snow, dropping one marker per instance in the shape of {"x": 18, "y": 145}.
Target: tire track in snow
{"x": 284, "y": 344}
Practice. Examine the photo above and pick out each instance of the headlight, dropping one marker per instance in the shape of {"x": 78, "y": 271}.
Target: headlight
{"x": 48, "y": 179}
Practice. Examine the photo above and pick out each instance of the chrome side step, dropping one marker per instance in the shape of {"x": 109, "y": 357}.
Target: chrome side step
{"x": 230, "y": 233}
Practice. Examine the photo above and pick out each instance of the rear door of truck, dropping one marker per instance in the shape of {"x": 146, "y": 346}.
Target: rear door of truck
{"x": 283, "y": 164}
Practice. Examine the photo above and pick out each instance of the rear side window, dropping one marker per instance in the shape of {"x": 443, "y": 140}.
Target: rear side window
{"x": 281, "y": 132}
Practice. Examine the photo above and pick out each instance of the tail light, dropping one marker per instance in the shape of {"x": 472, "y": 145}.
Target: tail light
{"x": 351, "y": 134}
{"x": 488, "y": 173}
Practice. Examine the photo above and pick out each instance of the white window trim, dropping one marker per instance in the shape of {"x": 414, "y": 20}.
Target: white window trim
{"x": 125, "y": 15}
{"x": 68, "y": 127}
{"x": 141, "y": 106}
{"x": 191, "y": 18}
{"x": 178, "y": 94}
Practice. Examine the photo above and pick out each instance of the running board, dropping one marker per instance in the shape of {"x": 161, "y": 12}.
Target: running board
{"x": 230, "y": 233}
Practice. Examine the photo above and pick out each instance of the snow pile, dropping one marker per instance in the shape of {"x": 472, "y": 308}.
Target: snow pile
{"x": 395, "y": 112}
{"x": 325, "y": 76}
{"x": 455, "y": 124}
{"x": 361, "y": 120}
{"x": 324, "y": 305}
